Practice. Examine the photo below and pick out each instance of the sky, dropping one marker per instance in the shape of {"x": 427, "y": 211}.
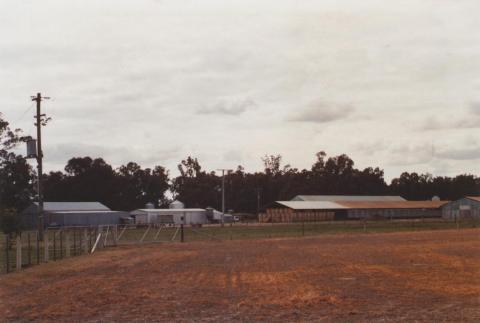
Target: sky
{"x": 393, "y": 84}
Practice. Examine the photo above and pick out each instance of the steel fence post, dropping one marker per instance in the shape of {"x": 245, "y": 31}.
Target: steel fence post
{"x": 38, "y": 248}
{"x": 67, "y": 244}
{"x": 45, "y": 245}
{"x": 54, "y": 246}
{"x": 85, "y": 245}
{"x": 19, "y": 252}
{"x": 29, "y": 249}
{"x": 7, "y": 255}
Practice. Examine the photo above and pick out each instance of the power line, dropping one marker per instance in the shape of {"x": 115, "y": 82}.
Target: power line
{"x": 24, "y": 113}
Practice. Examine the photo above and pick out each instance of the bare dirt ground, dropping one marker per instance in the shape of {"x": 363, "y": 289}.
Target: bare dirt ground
{"x": 415, "y": 276}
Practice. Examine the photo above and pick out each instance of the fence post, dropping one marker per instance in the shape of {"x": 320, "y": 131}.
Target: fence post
{"x": 19, "y": 251}
{"x": 80, "y": 245}
{"x": 74, "y": 242}
{"x": 85, "y": 237}
{"x": 61, "y": 243}
{"x": 54, "y": 246}
{"x": 29, "y": 249}
{"x": 67, "y": 244}
{"x": 7, "y": 256}
{"x": 45, "y": 244}
{"x": 182, "y": 238}
{"x": 105, "y": 240}
{"x": 38, "y": 248}
{"x": 115, "y": 234}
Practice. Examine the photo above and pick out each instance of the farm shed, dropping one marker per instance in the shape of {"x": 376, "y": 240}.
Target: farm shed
{"x": 294, "y": 211}
{"x": 71, "y": 214}
{"x": 172, "y": 216}
{"x": 350, "y": 198}
{"x": 465, "y": 208}
{"x": 391, "y": 209}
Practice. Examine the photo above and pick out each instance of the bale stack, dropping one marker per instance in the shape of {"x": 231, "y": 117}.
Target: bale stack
{"x": 314, "y": 216}
{"x": 286, "y": 215}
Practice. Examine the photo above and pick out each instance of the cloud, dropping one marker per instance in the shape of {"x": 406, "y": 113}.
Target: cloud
{"x": 233, "y": 156}
{"x": 322, "y": 112}
{"x": 228, "y": 108}
{"x": 370, "y": 147}
{"x": 409, "y": 154}
{"x": 470, "y": 153}
{"x": 475, "y": 108}
{"x": 126, "y": 92}
{"x": 464, "y": 119}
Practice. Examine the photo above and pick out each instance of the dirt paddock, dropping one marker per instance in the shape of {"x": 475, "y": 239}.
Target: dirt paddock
{"x": 422, "y": 276}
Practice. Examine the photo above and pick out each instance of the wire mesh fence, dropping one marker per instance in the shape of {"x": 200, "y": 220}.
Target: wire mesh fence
{"x": 27, "y": 249}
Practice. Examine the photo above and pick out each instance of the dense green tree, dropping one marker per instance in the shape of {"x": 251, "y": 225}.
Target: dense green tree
{"x": 127, "y": 188}
{"x": 141, "y": 186}
{"x": 16, "y": 174}
{"x": 16, "y": 178}
{"x": 195, "y": 187}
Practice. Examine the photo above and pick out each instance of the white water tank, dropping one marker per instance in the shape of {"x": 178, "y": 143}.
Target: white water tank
{"x": 149, "y": 206}
{"x": 176, "y": 205}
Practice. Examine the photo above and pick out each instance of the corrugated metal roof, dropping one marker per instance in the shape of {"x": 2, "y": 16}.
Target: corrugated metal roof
{"x": 475, "y": 198}
{"x": 73, "y": 206}
{"x": 336, "y": 198}
{"x": 327, "y": 205}
{"x": 87, "y": 212}
{"x": 394, "y": 205}
{"x": 311, "y": 205}
{"x": 166, "y": 211}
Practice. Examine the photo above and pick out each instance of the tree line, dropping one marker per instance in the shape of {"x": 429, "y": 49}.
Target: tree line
{"x": 131, "y": 186}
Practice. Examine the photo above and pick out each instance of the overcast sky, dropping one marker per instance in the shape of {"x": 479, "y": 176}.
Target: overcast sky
{"x": 394, "y": 84}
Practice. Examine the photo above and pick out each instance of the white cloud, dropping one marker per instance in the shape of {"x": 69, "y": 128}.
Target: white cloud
{"x": 228, "y": 108}
{"x": 321, "y": 112}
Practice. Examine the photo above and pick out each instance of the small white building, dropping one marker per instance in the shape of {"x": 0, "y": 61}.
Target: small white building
{"x": 170, "y": 216}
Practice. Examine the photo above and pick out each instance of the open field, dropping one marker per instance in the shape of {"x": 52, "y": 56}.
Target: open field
{"x": 427, "y": 275}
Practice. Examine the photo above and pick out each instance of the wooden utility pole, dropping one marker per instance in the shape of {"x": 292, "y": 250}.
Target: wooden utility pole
{"x": 41, "y": 120}
{"x": 223, "y": 194}
{"x": 258, "y": 190}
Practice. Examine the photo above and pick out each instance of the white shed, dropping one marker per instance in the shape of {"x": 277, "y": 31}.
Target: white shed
{"x": 173, "y": 216}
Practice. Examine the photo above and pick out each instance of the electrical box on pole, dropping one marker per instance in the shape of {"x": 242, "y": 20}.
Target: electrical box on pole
{"x": 31, "y": 148}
